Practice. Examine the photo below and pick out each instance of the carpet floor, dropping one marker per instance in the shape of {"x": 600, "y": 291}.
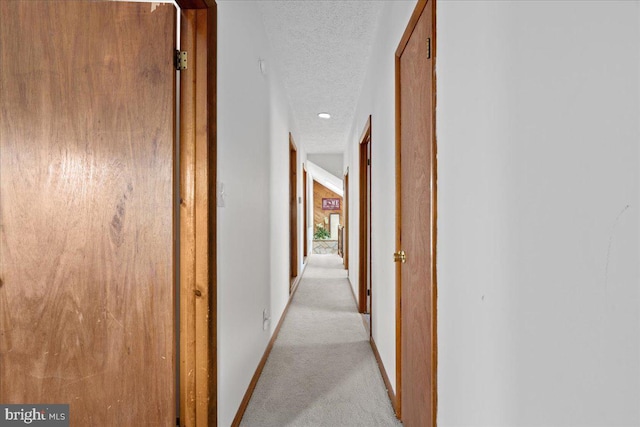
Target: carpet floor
{"x": 321, "y": 370}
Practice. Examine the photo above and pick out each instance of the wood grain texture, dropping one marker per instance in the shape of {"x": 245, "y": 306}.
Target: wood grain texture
{"x": 202, "y": 283}
{"x": 417, "y": 12}
{"x": 197, "y": 155}
{"x": 86, "y": 205}
{"x": 319, "y": 214}
{"x": 416, "y": 219}
{"x": 188, "y": 226}
{"x": 212, "y": 154}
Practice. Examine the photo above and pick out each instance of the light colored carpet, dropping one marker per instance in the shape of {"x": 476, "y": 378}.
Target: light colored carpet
{"x": 321, "y": 370}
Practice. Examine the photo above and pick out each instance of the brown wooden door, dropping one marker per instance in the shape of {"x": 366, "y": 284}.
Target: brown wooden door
{"x": 86, "y": 200}
{"x": 416, "y": 222}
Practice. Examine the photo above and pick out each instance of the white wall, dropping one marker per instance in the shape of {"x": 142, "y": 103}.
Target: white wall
{"x": 253, "y": 226}
{"x": 537, "y": 127}
{"x": 281, "y": 124}
{"x": 378, "y": 99}
{"x": 332, "y": 162}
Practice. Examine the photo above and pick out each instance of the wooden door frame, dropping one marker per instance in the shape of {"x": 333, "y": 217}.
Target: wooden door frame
{"x": 417, "y": 12}
{"x": 365, "y": 216}
{"x": 305, "y": 212}
{"x": 345, "y": 243}
{"x": 198, "y": 269}
{"x": 293, "y": 211}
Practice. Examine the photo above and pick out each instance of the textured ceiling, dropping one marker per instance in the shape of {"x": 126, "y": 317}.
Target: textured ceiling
{"x": 322, "y": 50}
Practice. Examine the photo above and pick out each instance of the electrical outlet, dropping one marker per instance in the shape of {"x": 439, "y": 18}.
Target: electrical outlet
{"x": 266, "y": 319}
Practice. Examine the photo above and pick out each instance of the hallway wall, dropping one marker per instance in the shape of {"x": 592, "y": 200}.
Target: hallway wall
{"x": 253, "y": 163}
{"x": 331, "y": 162}
{"x": 378, "y": 99}
{"x": 537, "y": 126}
{"x": 537, "y": 252}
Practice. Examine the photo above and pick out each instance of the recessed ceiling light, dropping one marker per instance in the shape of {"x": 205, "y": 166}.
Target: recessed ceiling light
{"x": 324, "y": 115}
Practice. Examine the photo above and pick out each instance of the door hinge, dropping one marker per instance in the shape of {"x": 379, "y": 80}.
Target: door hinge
{"x": 400, "y": 257}
{"x": 368, "y": 292}
{"x": 181, "y": 60}
{"x": 429, "y": 48}
{"x": 368, "y": 162}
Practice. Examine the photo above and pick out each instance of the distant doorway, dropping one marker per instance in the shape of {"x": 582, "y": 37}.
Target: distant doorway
{"x": 327, "y": 215}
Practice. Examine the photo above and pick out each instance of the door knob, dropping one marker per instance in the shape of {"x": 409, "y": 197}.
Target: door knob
{"x": 400, "y": 257}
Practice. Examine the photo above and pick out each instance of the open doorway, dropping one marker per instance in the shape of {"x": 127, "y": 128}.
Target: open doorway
{"x": 327, "y": 219}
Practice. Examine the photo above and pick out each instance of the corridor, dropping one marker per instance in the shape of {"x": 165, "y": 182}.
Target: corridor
{"x": 321, "y": 370}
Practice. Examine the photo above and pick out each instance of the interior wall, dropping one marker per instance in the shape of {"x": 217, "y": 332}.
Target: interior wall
{"x": 537, "y": 128}
{"x": 378, "y": 100}
{"x": 281, "y": 124}
{"x": 253, "y": 158}
{"x": 331, "y": 162}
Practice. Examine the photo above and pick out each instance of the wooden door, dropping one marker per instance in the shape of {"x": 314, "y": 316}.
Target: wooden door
{"x": 293, "y": 211}
{"x": 416, "y": 220}
{"x": 86, "y": 200}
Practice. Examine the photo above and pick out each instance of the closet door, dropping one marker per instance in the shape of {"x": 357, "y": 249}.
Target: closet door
{"x": 86, "y": 209}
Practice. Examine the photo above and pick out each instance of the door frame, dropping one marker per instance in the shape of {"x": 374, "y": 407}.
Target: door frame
{"x": 197, "y": 224}
{"x": 305, "y": 213}
{"x": 345, "y": 243}
{"x": 293, "y": 211}
{"x": 364, "y": 272}
{"x": 417, "y": 12}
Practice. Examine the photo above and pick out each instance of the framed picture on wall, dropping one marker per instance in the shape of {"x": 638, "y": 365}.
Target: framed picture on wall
{"x": 332, "y": 204}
